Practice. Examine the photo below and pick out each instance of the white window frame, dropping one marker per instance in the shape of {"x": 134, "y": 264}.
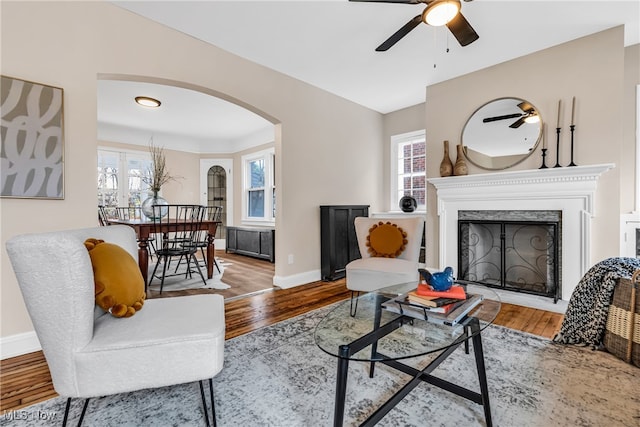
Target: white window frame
{"x": 123, "y": 170}
{"x": 268, "y": 156}
{"x": 395, "y": 142}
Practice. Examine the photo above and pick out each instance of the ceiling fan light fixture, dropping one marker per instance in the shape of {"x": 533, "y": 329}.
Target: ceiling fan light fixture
{"x": 532, "y": 118}
{"x": 146, "y": 101}
{"x": 440, "y": 12}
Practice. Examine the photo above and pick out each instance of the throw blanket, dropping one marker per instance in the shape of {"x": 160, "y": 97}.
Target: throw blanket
{"x": 586, "y": 317}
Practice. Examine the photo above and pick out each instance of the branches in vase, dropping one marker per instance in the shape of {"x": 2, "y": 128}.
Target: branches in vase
{"x": 158, "y": 174}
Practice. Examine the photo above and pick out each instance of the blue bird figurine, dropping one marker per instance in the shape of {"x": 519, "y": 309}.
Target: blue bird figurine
{"x": 440, "y": 281}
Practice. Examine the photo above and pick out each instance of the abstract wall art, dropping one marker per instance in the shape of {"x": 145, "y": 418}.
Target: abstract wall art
{"x": 32, "y": 144}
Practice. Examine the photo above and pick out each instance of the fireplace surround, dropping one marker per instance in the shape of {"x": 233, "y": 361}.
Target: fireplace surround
{"x": 568, "y": 190}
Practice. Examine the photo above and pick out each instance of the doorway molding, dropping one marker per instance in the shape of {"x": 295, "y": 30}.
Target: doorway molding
{"x": 227, "y": 164}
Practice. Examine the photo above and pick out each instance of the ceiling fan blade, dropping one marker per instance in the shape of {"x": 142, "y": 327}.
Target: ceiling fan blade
{"x": 517, "y": 123}
{"x": 390, "y": 1}
{"x": 462, "y": 30}
{"x": 400, "y": 34}
{"x": 525, "y": 106}
{"x": 496, "y": 118}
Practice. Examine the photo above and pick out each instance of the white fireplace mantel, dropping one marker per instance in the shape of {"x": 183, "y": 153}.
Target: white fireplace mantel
{"x": 568, "y": 189}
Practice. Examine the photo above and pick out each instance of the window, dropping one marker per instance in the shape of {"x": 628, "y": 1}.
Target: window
{"x": 409, "y": 168}
{"x": 120, "y": 178}
{"x": 259, "y": 201}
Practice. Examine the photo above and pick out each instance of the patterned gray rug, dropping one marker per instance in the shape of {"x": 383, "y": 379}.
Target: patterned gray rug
{"x": 276, "y": 376}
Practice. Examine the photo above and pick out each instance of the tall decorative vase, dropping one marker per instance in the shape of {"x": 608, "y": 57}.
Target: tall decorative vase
{"x": 446, "y": 167}
{"x": 147, "y": 206}
{"x": 460, "y": 168}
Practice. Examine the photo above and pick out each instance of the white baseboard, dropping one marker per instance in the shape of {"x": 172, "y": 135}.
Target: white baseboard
{"x": 19, "y": 344}
{"x": 286, "y": 282}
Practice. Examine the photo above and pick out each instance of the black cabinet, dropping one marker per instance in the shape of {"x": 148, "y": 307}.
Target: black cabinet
{"x": 338, "y": 242}
{"x": 251, "y": 241}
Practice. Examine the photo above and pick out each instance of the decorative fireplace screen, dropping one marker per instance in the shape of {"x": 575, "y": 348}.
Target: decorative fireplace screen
{"x": 517, "y": 255}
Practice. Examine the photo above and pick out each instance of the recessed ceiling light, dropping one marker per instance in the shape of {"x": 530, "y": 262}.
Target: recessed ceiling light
{"x": 145, "y": 101}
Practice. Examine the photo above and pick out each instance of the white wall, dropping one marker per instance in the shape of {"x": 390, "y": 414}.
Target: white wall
{"x": 326, "y": 145}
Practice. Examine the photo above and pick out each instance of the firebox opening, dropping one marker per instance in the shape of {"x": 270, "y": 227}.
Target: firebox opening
{"x": 512, "y": 250}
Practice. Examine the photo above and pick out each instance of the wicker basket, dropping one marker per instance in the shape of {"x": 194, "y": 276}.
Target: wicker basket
{"x": 622, "y": 335}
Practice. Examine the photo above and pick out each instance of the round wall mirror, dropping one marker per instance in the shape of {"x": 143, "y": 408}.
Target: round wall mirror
{"x": 501, "y": 133}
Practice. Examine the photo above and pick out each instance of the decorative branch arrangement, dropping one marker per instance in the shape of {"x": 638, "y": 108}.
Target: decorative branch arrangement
{"x": 158, "y": 173}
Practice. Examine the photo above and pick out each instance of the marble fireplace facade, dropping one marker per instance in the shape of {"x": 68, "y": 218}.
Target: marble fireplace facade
{"x": 570, "y": 191}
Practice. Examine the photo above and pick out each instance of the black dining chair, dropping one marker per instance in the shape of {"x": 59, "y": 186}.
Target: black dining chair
{"x": 105, "y": 213}
{"x": 211, "y": 213}
{"x": 129, "y": 212}
{"x": 176, "y": 233}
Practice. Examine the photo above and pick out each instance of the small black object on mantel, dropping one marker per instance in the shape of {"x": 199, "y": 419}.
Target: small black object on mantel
{"x": 572, "y": 127}
{"x": 408, "y": 204}
{"x": 558, "y": 135}
{"x": 544, "y": 154}
{"x": 558, "y": 165}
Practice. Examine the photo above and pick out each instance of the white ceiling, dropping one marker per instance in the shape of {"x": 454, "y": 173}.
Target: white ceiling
{"x": 330, "y": 44}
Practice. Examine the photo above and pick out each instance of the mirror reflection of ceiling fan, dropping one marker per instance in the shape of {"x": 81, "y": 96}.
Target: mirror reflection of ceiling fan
{"x": 437, "y": 13}
{"x": 529, "y": 115}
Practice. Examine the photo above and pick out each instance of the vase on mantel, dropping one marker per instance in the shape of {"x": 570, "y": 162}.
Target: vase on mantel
{"x": 154, "y": 199}
{"x": 446, "y": 167}
{"x": 460, "y": 168}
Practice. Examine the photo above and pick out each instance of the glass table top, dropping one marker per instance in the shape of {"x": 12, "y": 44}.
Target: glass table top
{"x": 415, "y": 337}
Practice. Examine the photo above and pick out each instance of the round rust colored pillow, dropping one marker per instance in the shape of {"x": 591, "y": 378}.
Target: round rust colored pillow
{"x": 119, "y": 286}
{"x": 386, "y": 240}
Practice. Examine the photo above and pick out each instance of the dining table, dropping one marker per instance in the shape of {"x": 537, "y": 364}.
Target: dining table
{"x": 144, "y": 228}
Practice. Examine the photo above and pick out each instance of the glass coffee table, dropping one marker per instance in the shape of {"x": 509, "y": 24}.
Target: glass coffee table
{"x": 378, "y": 335}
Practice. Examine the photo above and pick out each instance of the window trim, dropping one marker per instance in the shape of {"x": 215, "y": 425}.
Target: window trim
{"x": 123, "y": 154}
{"x": 394, "y": 143}
{"x": 268, "y": 155}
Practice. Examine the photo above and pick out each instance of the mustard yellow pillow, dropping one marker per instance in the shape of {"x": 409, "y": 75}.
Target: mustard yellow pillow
{"x": 386, "y": 240}
{"x": 119, "y": 286}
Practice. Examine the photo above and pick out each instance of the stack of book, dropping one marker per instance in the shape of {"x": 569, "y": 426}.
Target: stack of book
{"x": 448, "y": 308}
{"x": 437, "y": 301}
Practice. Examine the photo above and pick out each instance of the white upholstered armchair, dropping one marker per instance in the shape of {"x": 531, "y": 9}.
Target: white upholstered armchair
{"x": 90, "y": 353}
{"x": 376, "y": 270}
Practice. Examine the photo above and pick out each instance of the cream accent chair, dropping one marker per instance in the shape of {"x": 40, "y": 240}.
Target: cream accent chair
{"x": 91, "y": 353}
{"x": 369, "y": 273}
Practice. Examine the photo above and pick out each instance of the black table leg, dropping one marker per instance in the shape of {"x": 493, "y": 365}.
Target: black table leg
{"x": 466, "y": 342}
{"x": 341, "y": 386}
{"x": 482, "y": 373}
{"x": 376, "y": 326}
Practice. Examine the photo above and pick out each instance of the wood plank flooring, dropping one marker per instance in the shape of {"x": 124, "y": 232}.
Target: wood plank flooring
{"x": 25, "y": 380}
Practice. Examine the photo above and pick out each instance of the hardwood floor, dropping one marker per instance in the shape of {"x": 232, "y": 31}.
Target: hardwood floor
{"x": 25, "y": 380}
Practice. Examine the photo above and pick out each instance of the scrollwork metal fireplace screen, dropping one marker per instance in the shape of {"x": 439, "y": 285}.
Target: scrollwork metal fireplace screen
{"x": 514, "y": 255}
{"x": 32, "y": 140}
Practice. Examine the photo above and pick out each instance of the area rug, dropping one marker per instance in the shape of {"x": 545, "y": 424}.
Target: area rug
{"x": 179, "y": 282}
{"x": 277, "y": 376}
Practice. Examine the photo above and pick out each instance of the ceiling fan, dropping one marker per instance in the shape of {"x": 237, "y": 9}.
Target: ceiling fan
{"x": 529, "y": 115}
{"x": 437, "y": 13}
